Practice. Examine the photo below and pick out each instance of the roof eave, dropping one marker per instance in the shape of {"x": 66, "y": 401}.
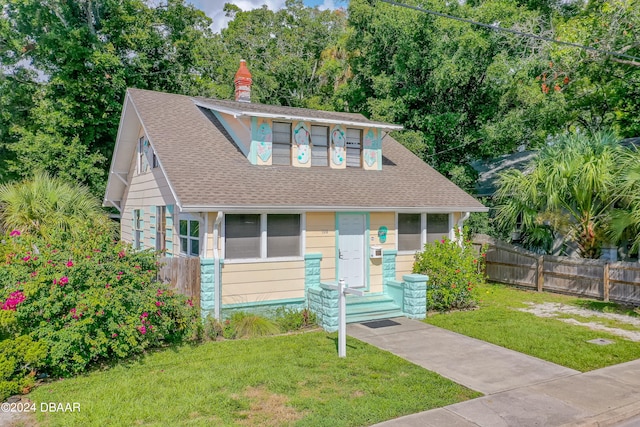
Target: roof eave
{"x": 242, "y": 114}
{"x": 291, "y": 208}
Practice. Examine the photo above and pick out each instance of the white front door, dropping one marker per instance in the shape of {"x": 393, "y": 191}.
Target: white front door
{"x": 351, "y": 249}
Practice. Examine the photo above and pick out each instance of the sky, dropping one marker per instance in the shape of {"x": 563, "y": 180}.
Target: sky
{"x": 213, "y": 8}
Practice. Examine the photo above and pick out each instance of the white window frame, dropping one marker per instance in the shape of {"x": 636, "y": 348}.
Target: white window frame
{"x": 189, "y": 217}
{"x": 137, "y": 230}
{"x": 140, "y": 153}
{"x": 263, "y": 239}
{"x": 423, "y": 233}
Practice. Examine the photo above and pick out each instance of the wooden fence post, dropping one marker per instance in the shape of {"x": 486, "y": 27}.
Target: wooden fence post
{"x": 540, "y": 273}
{"x": 605, "y": 281}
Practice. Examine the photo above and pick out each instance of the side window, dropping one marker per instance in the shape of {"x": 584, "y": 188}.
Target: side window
{"x": 161, "y": 227}
{"x": 281, "y": 145}
{"x": 137, "y": 229}
{"x": 189, "y": 236}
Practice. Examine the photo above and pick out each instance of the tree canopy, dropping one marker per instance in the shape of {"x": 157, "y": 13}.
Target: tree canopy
{"x": 461, "y": 91}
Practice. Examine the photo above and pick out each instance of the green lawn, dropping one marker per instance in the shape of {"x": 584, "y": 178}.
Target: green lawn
{"x": 498, "y": 321}
{"x": 285, "y": 380}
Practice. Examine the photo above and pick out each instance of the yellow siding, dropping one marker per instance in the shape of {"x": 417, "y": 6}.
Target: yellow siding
{"x": 377, "y": 220}
{"x": 404, "y": 265}
{"x": 321, "y": 238}
{"x": 144, "y": 190}
{"x": 262, "y": 281}
{"x": 209, "y": 236}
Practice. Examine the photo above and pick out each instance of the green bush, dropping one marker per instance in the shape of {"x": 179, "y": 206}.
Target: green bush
{"x": 454, "y": 272}
{"x": 292, "y": 320}
{"x": 87, "y": 301}
{"x": 247, "y": 325}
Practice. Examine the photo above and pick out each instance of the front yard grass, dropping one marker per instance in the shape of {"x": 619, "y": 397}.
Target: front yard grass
{"x": 276, "y": 381}
{"x": 498, "y": 321}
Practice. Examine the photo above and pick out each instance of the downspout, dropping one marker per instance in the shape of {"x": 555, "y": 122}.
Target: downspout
{"x": 460, "y": 221}
{"x": 217, "y": 287}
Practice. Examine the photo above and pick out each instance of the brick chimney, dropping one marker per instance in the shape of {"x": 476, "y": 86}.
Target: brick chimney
{"x": 242, "y": 81}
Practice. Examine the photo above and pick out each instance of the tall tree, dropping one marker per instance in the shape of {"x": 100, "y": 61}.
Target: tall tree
{"x": 85, "y": 53}
{"x": 569, "y": 190}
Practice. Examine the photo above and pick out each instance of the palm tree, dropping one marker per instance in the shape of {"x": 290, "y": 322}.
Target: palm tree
{"x": 625, "y": 219}
{"x": 568, "y": 189}
{"x": 45, "y": 205}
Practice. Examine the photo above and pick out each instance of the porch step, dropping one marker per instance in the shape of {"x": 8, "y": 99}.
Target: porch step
{"x": 371, "y": 307}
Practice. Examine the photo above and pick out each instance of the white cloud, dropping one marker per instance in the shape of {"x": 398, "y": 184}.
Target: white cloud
{"x": 214, "y": 8}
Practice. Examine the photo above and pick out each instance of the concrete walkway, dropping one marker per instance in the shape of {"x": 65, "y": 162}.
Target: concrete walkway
{"x": 519, "y": 390}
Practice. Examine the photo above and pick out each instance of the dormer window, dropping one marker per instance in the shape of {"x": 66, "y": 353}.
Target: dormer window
{"x": 281, "y": 144}
{"x": 319, "y": 146}
{"x": 354, "y": 148}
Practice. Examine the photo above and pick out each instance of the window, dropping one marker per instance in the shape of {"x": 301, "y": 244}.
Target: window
{"x": 437, "y": 227}
{"x": 242, "y": 236}
{"x": 409, "y": 232}
{"x": 354, "y": 147}
{"x": 161, "y": 227}
{"x": 319, "y": 146}
{"x": 137, "y": 229}
{"x": 281, "y": 145}
{"x": 154, "y": 162}
{"x": 262, "y": 236}
{"x": 283, "y": 235}
{"x": 190, "y": 236}
{"x": 140, "y": 162}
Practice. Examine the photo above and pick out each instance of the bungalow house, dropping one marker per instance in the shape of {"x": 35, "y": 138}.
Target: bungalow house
{"x": 277, "y": 201}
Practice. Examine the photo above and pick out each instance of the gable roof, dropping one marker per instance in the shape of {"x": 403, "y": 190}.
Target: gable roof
{"x": 206, "y": 171}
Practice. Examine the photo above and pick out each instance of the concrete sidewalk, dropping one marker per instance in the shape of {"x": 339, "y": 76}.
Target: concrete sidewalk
{"x": 519, "y": 390}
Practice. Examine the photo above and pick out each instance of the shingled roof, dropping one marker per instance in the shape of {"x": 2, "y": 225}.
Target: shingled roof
{"x": 206, "y": 171}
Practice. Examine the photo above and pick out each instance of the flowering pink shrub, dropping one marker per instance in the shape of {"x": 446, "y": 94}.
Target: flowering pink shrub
{"x": 79, "y": 310}
{"x": 13, "y": 300}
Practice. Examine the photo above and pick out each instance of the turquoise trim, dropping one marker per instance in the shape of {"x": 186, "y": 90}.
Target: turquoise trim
{"x": 207, "y": 284}
{"x": 231, "y": 133}
{"x": 152, "y": 216}
{"x": 389, "y": 252}
{"x": 169, "y": 231}
{"x": 152, "y": 226}
{"x": 264, "y": 303}
{"x": 312, "y": 270}
{"x": 367, "y": 248}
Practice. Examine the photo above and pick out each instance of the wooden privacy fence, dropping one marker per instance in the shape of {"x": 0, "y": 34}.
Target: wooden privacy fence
{"x": 183, "y": 274}
{"x": 617, "y": 281}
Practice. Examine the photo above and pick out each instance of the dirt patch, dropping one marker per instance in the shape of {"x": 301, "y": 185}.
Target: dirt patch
{"x": 268, "y": 409}
{"x": 18, "y": 419}
{"x": 553, "y": 310}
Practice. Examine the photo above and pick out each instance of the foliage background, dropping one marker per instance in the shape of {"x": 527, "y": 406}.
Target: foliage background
{"x": 461, "y": 92}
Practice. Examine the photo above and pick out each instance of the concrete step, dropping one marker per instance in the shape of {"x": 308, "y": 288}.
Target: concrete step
{"x": 374, "y": 316}
{"x": 361, "y": 308}
{"x": 368, "y": 299}
{"x": 371, "y": 307}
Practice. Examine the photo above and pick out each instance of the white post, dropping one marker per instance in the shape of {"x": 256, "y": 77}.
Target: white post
{"x": 342, "y": 320}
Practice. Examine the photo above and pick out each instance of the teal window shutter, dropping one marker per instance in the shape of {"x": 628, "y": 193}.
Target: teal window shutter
{"x": 152, "y": 226}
